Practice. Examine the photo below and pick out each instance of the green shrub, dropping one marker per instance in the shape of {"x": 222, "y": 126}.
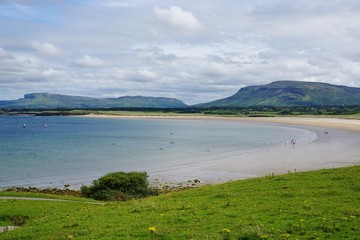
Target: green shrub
{"x": 119, "y": 186}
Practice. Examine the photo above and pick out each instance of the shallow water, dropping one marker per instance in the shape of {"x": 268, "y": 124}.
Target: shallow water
{"x": 53, "y": 151}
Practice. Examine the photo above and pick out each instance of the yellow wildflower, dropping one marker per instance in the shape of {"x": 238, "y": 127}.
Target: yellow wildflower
{"x": 226, "y": 230}
{"x": 152, "y": 229}
{"x": 285, "y": 235}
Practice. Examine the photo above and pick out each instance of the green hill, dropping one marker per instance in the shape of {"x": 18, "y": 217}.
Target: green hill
{"x": 313, "y": 205}
{"x": 54, "y": 101}
{"x": 276, "y": 94}
{"x": 290, "y": 94}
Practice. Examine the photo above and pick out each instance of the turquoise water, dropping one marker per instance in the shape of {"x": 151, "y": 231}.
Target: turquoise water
{"x": 53, "y": 151}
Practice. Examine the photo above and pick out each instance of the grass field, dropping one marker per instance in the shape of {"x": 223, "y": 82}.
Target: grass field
{"x": 313, "y": 205}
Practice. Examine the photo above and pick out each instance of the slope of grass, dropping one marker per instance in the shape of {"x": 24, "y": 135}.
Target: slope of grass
{"x": 314, "y": 205}
{"x": 290, "y": 94}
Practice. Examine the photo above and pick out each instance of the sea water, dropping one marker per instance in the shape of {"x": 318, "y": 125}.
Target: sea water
{"x": 54, "y": 151}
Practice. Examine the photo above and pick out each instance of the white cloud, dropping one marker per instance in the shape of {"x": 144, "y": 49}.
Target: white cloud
{"x": 154, "y": 54}
{"x": 89, "y": 61}
{"x": 50, "y": 72}
{"x": 5, "y": 54}
{"x": 48, "y": 49}
{"x": 147, "y": 73}
{"x": 178, "y": 19}
{"x": 138, "y": 75}
{"x": 145, "y": 47}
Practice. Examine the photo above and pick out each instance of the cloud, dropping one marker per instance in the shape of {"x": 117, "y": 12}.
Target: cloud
{"x": 147, "y": 73}
{"x": 48, "y": 49}
{"x": 50, "y": 72}
{"x": 178, "y": 19}
{"x": 120, "y": 4}
{"x": 89, "y": 61}
{"x": 5, "y": 54}
{"x": 196, "y": 51}
{"x": 154, "y": 54}
{"x": 137, "y": 75}
{"x": 12, "y": 9}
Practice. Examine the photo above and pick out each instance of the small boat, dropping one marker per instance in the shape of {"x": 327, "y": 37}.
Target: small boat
{"x": 24, "y": 126}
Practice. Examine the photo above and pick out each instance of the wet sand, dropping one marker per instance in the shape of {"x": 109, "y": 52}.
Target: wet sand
{"x": 337, "y": 145}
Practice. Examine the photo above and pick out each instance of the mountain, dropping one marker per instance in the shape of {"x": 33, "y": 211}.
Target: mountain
{"x": 290, "y": 94}
{"x": 53, "y": 101}
{"x": 277, "y": 94}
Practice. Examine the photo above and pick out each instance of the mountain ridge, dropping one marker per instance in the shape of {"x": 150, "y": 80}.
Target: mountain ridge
{"x": 57, "y": 101}
{"x": 287, "y": 93}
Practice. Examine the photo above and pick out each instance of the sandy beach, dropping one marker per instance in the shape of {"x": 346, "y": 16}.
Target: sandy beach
{"x": 336, "y": 123}
{"x": 337, "y": 144}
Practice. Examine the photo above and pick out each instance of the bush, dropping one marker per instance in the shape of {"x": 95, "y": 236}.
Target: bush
{"x": 119, "y": 186}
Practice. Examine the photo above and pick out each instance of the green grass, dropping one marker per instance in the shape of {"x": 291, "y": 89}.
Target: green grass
{"x": 313, "y": 205}
{"x": 43, "y": 195}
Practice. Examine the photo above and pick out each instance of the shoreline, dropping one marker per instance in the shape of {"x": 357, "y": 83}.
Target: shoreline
{"x": 337, "y": 145}
{"x": 334, "y": 123}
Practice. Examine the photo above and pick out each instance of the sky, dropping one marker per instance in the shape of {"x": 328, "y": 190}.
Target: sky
{"x": 196, "y": 51}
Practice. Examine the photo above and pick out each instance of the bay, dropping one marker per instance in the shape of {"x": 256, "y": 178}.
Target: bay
{"x": 54, "y": 151}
